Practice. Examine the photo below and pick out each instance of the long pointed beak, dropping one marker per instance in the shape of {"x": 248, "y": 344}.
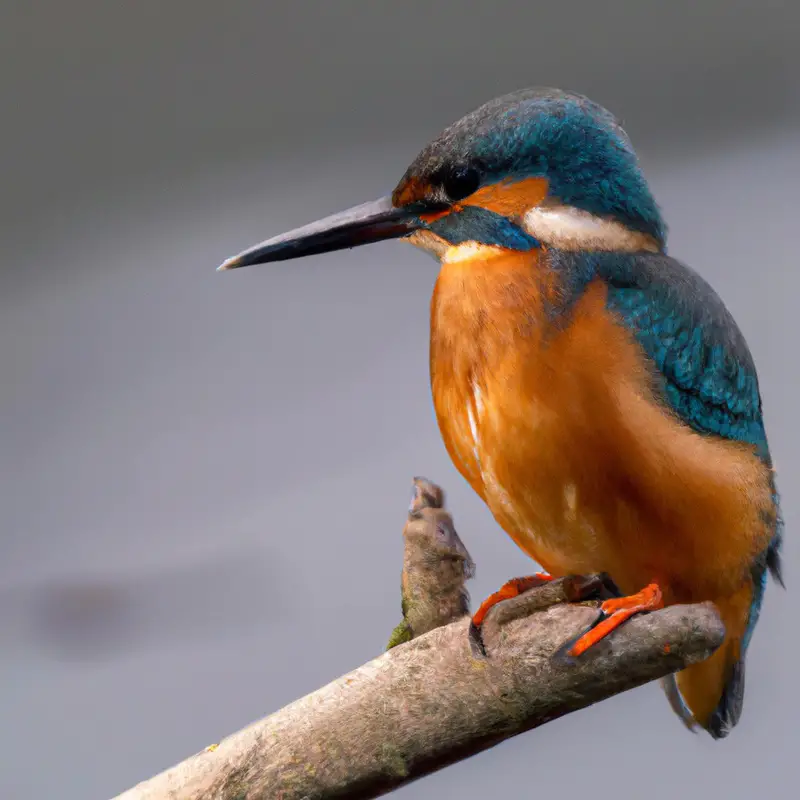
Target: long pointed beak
{"x": 364, "y": 224}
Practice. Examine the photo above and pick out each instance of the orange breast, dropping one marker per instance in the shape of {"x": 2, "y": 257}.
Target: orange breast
{"x": 559, "y": 431}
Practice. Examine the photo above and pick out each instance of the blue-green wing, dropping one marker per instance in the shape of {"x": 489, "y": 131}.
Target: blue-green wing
{"x": 709, "y": 380}
{"x": 709, "y": 376}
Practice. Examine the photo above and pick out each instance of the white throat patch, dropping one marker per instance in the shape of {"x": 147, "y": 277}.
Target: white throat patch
{"x": 448, "y": 254}
{"x": 467, "y": 251}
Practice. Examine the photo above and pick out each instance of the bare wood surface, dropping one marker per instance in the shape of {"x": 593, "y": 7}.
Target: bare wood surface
{"x": 430, "y": 702}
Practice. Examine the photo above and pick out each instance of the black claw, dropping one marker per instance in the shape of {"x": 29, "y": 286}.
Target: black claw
{"x": 476, "y": 641}
{"x": 562, "y": 655}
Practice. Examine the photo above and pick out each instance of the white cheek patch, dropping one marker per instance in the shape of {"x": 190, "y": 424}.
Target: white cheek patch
{"x": 569, "y": 228}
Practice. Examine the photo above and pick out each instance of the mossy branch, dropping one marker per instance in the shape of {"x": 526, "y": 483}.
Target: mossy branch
{"x": 430, "y": 702}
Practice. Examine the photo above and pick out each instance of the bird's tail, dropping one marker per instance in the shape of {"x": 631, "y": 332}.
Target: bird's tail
{"x": 710, "y": 694}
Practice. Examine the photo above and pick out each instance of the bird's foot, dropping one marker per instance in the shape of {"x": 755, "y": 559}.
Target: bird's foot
{"x": 613, "y": 613}
{"x": 521, "y": 596}
{"x": 512, "y": 588}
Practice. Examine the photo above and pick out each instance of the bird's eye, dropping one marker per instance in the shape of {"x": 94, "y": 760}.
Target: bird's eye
{"x": 461, "y": 183}
{"x": 442, "y": 532}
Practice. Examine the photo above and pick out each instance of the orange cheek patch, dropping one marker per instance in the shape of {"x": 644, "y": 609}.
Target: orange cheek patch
{"x": 510, "y": 198}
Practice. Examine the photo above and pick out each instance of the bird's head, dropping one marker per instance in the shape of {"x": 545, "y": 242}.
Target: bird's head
{"x": 539, "y": 167}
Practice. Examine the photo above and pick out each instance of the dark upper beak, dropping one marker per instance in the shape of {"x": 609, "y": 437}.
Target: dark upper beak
{"x": 364, "y": 224}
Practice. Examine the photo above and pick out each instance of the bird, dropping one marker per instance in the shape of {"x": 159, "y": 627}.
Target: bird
{"x": 593, "y": 390}
{"x": 436, "y": 565}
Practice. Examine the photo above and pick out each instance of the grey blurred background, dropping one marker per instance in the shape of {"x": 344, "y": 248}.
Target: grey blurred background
{"x": 204, "y": 476}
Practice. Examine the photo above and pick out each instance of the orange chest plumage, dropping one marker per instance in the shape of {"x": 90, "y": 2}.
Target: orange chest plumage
{"x": 494, "y": 377}
{"x": 553, "y": 422}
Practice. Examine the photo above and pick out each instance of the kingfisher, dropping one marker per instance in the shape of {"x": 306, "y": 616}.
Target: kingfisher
{"x": 595, "y": 392}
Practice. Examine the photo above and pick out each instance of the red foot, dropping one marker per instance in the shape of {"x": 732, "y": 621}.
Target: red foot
{"x": 615, "y": 612}
{"x": 509, "y": 589}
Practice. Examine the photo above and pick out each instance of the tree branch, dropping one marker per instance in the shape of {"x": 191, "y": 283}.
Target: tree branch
{"x": 430, "y": 702}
